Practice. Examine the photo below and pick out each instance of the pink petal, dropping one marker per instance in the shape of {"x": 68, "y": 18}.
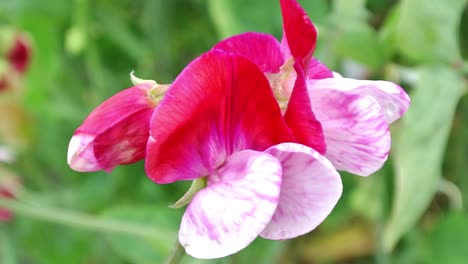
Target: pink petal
{"x": 392, "y": 98}
{"x": 221, "y": 103}
{"x": 299, "y": 31}
{"x": 355, "y": 129}
{"x": 263, "y": 49}
{"x": 234, "y": 208}
{"x": 310, "y": 190}
{"x": 300, "y": 118}
{"x": 115, "y": 132}
{"x": 318, "y": 70}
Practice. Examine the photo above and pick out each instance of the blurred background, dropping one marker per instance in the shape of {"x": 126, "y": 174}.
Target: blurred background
{"x": 60, "y": 59}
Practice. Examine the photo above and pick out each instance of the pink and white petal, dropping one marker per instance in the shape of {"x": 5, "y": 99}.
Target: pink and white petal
{"x": 237, "y": 204}
{"x": 355, "y": 129}
{"x": 391, "y": 97}
{"x": 299, "y": 31}
{"x": 300, "y": 118}
{"x": 263, "y": 49}
{"x": 221, "y": 103}
{"x": 114, "y": 133}
{"x": 310, "y": 190}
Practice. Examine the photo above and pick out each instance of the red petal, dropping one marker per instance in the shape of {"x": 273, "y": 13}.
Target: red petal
{"x": 300, "y": 32}
{"x": 300, "y": 118}
{"x": 263, "y": 49}
{"x": 115, "y": 133}
{"x": 220, "y": 104}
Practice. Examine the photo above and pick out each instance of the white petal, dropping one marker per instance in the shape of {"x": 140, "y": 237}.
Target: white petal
{"x": 355, "y": 129}
{"x": 234, "y": 208}
{"x": 392, "y": 98}
{"x": 310, "y": 190}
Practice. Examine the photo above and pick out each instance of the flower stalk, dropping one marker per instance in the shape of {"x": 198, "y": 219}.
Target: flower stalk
{"x": 84, "y": 221}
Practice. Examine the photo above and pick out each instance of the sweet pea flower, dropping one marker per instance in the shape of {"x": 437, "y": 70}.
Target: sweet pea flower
{"x": 219, "y": 123}
{"x": 116, "y": 131}
{"x": 353, "y": 115}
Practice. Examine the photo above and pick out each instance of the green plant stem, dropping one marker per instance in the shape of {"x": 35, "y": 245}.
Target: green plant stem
{"x": 84, "y": 221}
{"x": 176, "y": 255}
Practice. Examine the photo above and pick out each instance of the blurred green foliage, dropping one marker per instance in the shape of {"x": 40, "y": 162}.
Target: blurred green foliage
{"x": 415, "y": 210}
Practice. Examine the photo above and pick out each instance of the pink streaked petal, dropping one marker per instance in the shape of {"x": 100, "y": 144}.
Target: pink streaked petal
{"x": 263, "y": 49}
{"x": 310, "y": 190}
{"x": 221, "y": 103}
{"x": 114, "y": 133}
{"x": 355, "y": 129}
{"x": 299, "y": 31}
{"x": 237, "y": 204}
{"x": 318, "y": 70}
{"x": 300, "y": 118}
{"x": 391, "y": 97}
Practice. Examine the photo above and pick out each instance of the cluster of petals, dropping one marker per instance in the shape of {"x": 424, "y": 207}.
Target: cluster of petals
{"x": 354, "y": 115}
{"x": 269, "y": 169}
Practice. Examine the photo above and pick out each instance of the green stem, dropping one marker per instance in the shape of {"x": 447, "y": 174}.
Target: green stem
{"x": 176, "y": 255}
{"x": 84, "y": 221}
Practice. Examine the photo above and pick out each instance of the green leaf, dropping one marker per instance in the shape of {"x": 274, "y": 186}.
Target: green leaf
{"x": 136, "y": 249}
{"x": 234, "y": 17}
{"x": 352, "y": 9}
{"x": 427, "y": 29}
{"x": 387, "y": 34}
{"x": 53, "y": 244}
{"x": 449, "y": 240}
{"x": 359, "y": 41}
{"x": 419, "y": 147}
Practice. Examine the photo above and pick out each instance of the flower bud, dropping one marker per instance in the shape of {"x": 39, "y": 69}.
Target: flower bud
{"x": 115, "y": 132}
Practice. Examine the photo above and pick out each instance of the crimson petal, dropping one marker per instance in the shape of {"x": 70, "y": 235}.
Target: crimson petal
{"x": 300, "y": 118}
{"x": 299, "y": 31}
{"x": 263, "y": 49}
{"x": 220, "y": 104}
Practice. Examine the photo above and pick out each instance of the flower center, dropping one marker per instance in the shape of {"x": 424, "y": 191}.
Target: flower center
{"x": 282, "y": 83}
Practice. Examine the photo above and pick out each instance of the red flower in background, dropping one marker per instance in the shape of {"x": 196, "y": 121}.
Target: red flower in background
{"x": 5, "y": 214}
{"x": 16, "y": 59}
{"x": 20, "y": 53}
{"x": 9, "y": 186}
